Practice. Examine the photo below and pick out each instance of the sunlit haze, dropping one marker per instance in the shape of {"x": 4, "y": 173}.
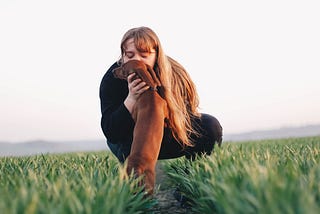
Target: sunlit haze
{"x": 255, "y": 63}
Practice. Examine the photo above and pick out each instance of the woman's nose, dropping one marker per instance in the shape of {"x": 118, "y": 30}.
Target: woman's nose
{"x": 137, "y": 57}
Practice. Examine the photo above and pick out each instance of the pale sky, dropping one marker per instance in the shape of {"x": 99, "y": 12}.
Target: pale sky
{"x": 255, "y": 63}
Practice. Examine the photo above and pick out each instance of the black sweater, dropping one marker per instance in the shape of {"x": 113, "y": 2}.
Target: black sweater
{"x": 116, "y": 122}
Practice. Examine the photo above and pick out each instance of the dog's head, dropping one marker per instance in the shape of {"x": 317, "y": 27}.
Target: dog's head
{"x": 143, "y": 71}
{"x": 128, "y": 68}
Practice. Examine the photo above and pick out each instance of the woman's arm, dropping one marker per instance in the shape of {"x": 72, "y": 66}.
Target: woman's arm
{"x": 116, "y": 121}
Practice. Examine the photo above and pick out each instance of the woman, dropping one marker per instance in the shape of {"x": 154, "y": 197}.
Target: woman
{"x": 187, "y": 132}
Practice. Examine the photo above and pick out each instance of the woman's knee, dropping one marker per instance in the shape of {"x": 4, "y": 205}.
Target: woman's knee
{"x": 212, "y": 128}
{"x": 210, "y": 132}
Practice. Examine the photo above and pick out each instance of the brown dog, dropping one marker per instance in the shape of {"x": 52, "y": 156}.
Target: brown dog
{"x": 149, "y": 114}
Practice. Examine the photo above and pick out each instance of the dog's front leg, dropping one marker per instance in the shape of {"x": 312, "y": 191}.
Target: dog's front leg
{"x": 149, "y": 114}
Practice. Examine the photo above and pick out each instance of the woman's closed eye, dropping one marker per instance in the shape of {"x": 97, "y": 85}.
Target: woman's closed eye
{"x": 144, "y": 55}
{"x": 129, "y": 54}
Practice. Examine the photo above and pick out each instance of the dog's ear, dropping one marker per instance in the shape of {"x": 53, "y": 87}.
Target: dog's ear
{"x": 146, "y": 77}
{"x": 154, "y": 76}
{"x": 119, "y": 73}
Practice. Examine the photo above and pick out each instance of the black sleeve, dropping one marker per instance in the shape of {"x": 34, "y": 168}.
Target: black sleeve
{"x": 116, "y": 121}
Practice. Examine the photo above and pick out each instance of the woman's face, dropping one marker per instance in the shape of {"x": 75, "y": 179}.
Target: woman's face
{"x": 131, "y": 53}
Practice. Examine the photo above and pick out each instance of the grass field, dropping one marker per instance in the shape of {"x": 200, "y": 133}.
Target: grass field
{"x": 275, "y": 176}
{"x": 70, "y": 183}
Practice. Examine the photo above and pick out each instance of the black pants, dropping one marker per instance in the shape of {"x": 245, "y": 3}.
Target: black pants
{"x": 210, "y": 133}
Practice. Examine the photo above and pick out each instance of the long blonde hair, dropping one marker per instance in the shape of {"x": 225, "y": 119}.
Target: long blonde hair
{"x": 178, "y": 88}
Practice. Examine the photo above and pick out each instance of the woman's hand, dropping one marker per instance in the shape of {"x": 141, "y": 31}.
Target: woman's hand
{"x": 136, "y": 88}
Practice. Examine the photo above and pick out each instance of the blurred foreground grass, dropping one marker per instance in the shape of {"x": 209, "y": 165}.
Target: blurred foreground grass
{"x": 68, "y": 183}
{"x": 274, "y": 176}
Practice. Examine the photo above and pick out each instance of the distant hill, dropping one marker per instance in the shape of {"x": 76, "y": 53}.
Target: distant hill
{"x": 303, "y": 131}
{"x": 46, "y": 147}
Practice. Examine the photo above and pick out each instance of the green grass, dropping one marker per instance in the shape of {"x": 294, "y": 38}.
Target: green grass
{"x": 275, "y": 176}
{"x": 70, "y": 183}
